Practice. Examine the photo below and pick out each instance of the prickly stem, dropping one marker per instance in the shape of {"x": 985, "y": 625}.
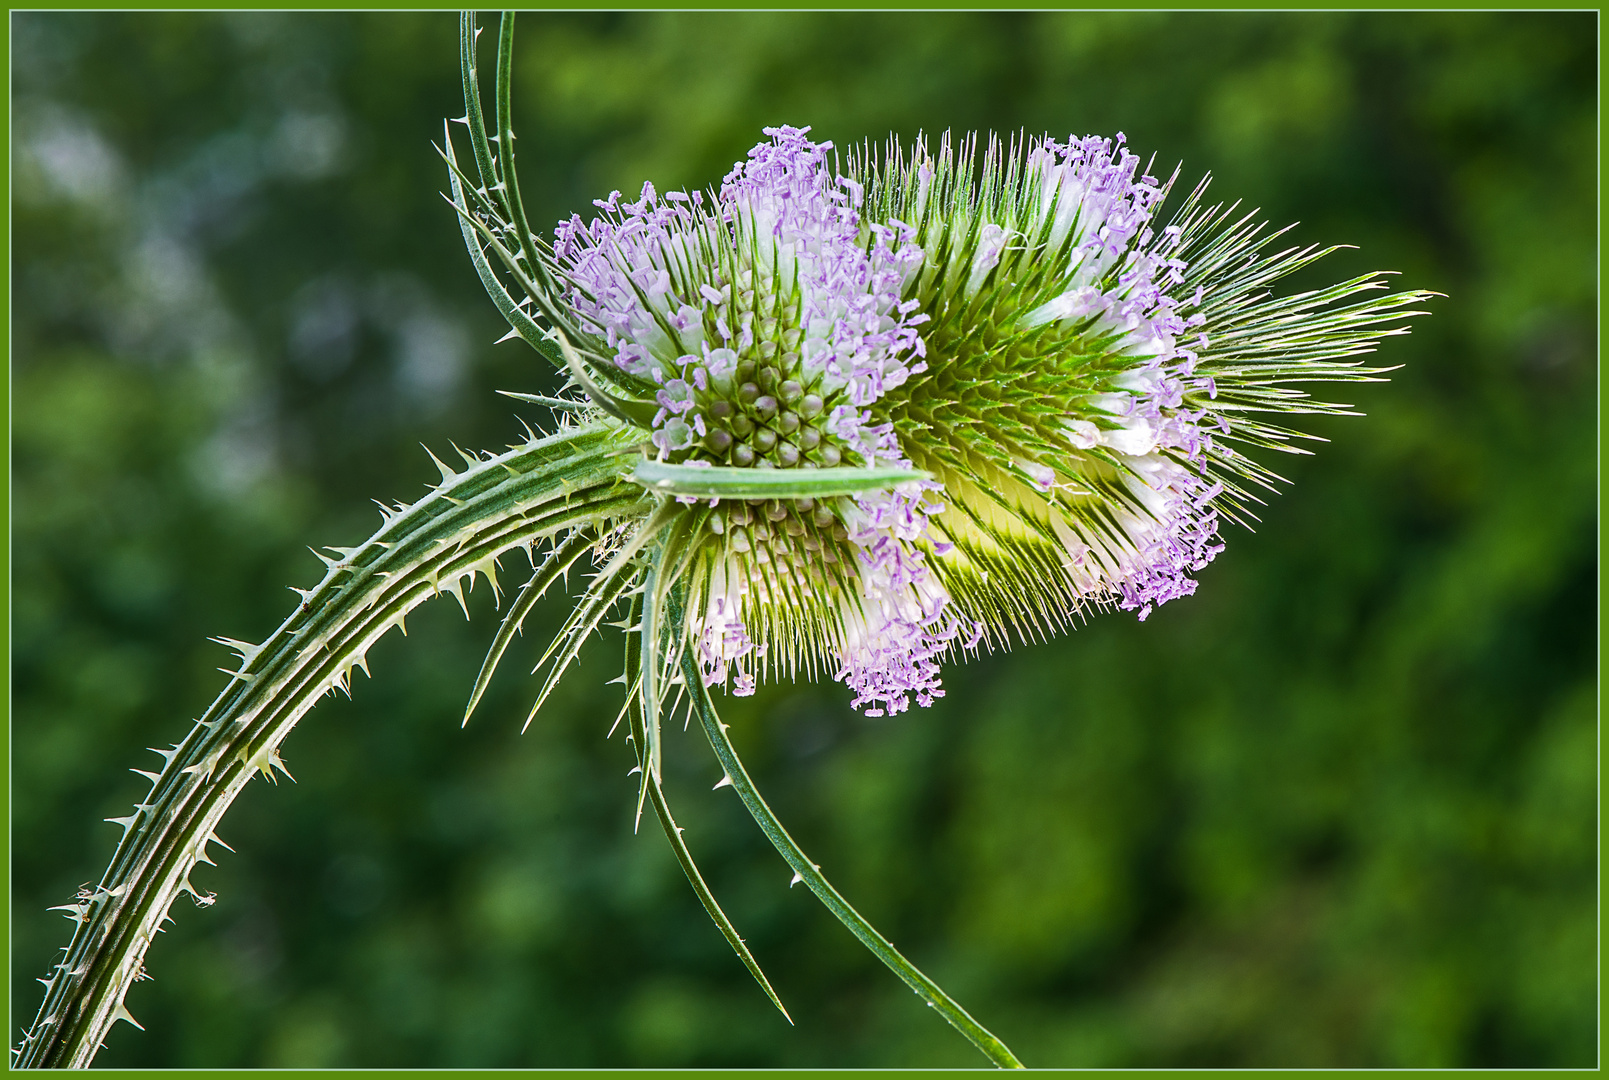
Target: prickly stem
{"x": 568, "y": 481}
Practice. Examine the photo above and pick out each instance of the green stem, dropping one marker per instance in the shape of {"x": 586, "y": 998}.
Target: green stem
{"x": 810, "y": 874}
{"x": 572, "y": 480}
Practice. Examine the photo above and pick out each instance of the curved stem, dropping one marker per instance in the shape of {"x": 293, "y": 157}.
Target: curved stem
{"x": 808, "y": 872}
{"x": 569, "y": 481}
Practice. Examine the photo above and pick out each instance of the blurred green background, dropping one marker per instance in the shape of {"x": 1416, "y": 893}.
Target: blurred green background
{"x": 1336, "y": 809}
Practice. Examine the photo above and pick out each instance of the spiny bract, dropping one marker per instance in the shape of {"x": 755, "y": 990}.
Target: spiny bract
{"x": 1066, "y": 377}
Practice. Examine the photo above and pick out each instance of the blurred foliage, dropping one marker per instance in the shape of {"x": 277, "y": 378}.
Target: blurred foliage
{"x": 1337, "y": 809}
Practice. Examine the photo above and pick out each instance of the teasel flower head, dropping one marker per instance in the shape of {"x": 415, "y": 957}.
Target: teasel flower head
{"x": 1071, "y": 378}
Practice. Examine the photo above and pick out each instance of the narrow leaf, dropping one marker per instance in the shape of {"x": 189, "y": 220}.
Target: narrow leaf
{"x": 558, "y": 561}
{"x": 637, "y": 660}
{"x": 722, "y": 482}
{"x": 810, "y": 873}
